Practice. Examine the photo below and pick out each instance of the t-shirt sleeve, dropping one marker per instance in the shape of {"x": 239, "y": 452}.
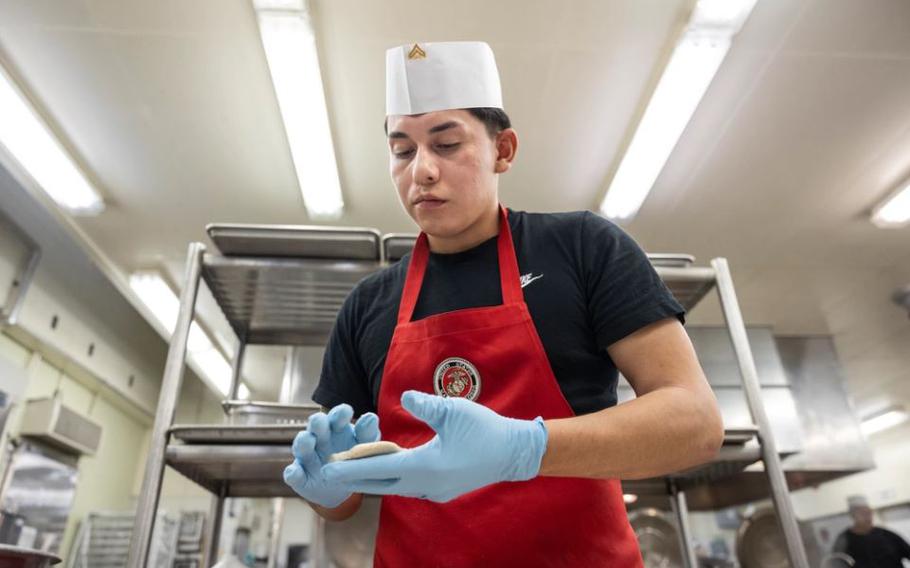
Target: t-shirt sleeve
{"x": 624, "y": 292}
{"x": 343, "y": 379}
{"x": 900, "y": 544}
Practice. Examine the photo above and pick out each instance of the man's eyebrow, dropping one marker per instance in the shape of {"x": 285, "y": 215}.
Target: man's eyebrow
{"x": 443, "y": 126}
{"x": 397, "y": 134}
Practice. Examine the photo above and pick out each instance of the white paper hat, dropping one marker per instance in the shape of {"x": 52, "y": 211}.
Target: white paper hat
{"x": 426, "y": 77}
{"x": 855, "y": 501}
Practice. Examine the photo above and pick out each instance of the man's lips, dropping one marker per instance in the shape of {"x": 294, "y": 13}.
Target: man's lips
{"x": 429, "y": 203}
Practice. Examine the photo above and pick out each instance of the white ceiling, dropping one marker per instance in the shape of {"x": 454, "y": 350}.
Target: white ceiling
{"x": 169, "y": 106}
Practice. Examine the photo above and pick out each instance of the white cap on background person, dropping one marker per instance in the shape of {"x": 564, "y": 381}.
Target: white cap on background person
{"x": 427, "y": 77}
{"x": 857, "y": 501}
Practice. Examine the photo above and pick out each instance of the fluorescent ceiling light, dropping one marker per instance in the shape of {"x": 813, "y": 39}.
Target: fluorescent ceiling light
{"x": 691, "y": 68}
{"x": 725, "y": 16}
{"x": 217, "y": 369}
{"x": 883, "y": 420}
{"x": 894, "y": 211}
{"x": 30, "y": 142}
{"x": 290, "y": 49}
{"x": 629, "y": 498}
{"x": 162, "y": 302}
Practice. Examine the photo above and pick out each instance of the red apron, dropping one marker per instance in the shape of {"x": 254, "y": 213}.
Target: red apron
{"x": 492, "y": 354}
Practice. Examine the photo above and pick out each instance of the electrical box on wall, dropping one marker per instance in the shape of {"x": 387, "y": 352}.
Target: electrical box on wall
{"x": 49, "y": 420}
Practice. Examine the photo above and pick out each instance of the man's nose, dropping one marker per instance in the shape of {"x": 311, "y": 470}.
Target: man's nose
{"x": 426, "y": 171}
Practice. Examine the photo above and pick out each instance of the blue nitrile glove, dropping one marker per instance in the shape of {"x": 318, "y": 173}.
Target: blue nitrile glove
{"x": 324, "y": 436}
{"x": 473, "y": 447}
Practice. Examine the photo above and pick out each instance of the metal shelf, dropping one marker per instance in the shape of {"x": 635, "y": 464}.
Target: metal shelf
{"x": 256, "y": 434}
{"x": 689, "y": 285}
{"x": 289, "y": 301}
{"x": 738, "y": 452}
{"x": 234, "y": 470}
{"x": 282, "y": 301}
{"x": 248, "y": 461}
{"x": 297, "y": 241}
{"x": 281, "y": 298}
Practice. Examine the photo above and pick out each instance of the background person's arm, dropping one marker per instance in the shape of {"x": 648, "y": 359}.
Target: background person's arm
{"x": 673, "y": 424}
{"x": 902, "y": 545}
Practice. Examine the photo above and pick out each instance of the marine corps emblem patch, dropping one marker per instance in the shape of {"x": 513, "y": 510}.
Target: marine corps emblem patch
{"x": 456, "y": 377}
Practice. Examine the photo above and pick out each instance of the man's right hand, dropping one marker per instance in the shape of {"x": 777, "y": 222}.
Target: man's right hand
{"x": 327, "y": 434}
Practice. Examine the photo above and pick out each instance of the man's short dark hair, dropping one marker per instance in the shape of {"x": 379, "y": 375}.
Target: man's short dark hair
{"x": 494, "y": 119}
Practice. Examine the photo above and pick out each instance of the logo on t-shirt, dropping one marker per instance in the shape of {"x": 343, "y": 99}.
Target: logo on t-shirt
{"x": 456, "y": 377}
{"x": 528, "y": 278}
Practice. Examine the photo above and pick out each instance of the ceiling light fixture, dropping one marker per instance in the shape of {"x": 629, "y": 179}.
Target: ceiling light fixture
{"x": 162, "y": 302}
{"x": 692, "y": 66}
{"x": 895, "y": 211}
{"x": 30, "y": 142}
{"x": 290, "y": 49}
{"x": 883, "y": 420}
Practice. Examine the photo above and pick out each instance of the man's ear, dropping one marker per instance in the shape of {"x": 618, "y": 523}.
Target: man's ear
{"x": 506, "y": 147}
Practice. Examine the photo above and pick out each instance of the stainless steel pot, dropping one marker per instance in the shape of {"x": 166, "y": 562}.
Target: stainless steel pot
{"x": 657, "y": 538}
{"x": 18, "y": 557}
{"x": 258, "y": 412}
{"x": 760, "y": 541}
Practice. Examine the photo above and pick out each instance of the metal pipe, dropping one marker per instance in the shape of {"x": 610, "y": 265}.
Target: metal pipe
{"x": 213, "y": 534}
{"x": 681, "y": 509}
{"x": 318, "y": 551}
{"x": 167, "y": 405}
{"x": 773, "y": 468}
{"x": 277, "y": 524}
{"x": 20, "y": 285}
{"x": 237, "y": 369}
{"x": 9, "y": 452}
{"x": 9, "y": 312}
{"x": 691, "y": 274}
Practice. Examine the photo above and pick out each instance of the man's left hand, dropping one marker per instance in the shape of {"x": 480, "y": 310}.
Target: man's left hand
{"x": 473, "y": 447}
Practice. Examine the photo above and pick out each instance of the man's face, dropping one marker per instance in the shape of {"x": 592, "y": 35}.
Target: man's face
{"x": 862, "y": 517}
{"x": 443, "y": 165}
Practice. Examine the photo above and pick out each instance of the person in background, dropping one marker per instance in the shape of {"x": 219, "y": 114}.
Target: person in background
{"x": 868, "y": 545}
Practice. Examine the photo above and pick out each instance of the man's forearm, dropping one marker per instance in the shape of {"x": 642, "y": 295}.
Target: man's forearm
{"x": 666, "y": 430}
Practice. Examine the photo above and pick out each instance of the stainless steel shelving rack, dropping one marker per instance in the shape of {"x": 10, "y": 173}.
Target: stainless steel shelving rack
{"x": 285, "y": 285}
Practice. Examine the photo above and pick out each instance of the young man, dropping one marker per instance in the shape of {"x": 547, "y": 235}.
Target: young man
{"x": 491, "y": 353}
{"x": 868, "y": 545}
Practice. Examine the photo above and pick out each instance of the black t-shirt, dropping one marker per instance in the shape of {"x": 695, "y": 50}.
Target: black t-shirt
{"x": 879, "y": 548}
{"x": 587, "y": 284}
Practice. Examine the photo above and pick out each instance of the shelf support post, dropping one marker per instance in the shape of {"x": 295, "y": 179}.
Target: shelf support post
{"x": 779, "y": 492}
{"x": 167, "y": 405}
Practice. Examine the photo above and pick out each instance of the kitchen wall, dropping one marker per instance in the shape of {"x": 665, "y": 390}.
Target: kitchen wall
{"x": 78, "y": 335}
{"x": 871, "y": 334}
{"x": 110, "y": 480}
{"x": 71, "y": 312}
{"x": 886, "y": 485}
{"x": 105, "y": 479}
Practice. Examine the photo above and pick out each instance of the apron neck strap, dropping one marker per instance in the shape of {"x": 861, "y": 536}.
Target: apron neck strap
{"x": 508, "y": 270}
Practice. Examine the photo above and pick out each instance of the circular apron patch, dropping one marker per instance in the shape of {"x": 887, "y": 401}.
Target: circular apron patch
{"x": 456, "y": 377}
